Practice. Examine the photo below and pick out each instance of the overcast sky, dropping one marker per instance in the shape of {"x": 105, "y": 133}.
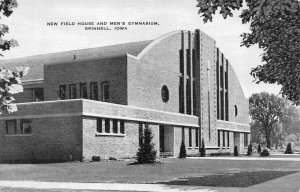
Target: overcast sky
{"x": 28, "y": 25}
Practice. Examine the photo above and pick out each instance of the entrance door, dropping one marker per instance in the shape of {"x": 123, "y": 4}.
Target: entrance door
{"x": 161, "y": 138}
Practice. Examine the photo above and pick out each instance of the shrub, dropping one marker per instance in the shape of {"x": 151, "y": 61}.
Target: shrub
{"x": 288, "y": 149}
{"x": 259, "y": 149}
{"x": 112, "y": 158}
{"x": 235, "y": 153}
{"x": 202, "y": 149}
{"x": 249, "y": 151}
{"x": 146, "y": 153}
{"x": 182, "y": 152}
{"x": 96, "y": 158}
{"x": 265, "y": 153}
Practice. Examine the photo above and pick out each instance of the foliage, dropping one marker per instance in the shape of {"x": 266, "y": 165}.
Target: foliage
{"x": 10, "y": 81}
{"x": 288, "y": 149}
{"x": 265, "y": 153}
{"x": 96, "y": 158}
{"x": 274, "y": 27}
{"x": 267, "y": 109}
{"x": 182, "y": 152}
{"x": 146, "y": 153}
{"x": 259, "y": 149}
{"x": 235, "y": 152}
{"x": 202, "y": 149}
{"x": 291, "y": 122}
{"x": 249, "y": 151}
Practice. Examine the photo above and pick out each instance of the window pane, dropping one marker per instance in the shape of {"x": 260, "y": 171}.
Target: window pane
{"x": 115, "y": 126}
{"x": 107, "y": 126}
{"x": 62, "y": 91}
{"x": 105, "y": 91}
{"x": 190, "y": 137}
{"x": 83, "y": 90}
{"x": 122, "y": 127}
{"x": 94, "y": 91}
{"x": 26, "y": 126}
{"x": 99, "y": 125}
{"x": 11, "y": 127}
{"x": 73, "y": 92}
{"x": 38, "y": 94}
{"x": 197, "y": 137}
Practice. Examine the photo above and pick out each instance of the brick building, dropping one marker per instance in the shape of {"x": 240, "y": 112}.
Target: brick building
{"x": 96, "y": 102}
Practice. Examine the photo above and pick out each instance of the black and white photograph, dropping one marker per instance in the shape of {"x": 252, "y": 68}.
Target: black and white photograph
{"x": 150, "y": 96}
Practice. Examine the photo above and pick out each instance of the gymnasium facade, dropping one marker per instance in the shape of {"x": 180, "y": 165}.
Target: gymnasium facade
{"x": 96, "y": 102}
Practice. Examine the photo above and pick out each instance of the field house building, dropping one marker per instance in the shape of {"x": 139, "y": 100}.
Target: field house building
{"x": 97, "y": 101}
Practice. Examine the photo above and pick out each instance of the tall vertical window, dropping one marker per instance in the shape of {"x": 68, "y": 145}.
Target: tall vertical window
{"x": 228, "y": 141}
{"x": 218, "y": 85}
{"x": 105, "y": 91}
{"x": 222, "y": 104}
{"x": 197, "y": 137}
{"x": 219, "y": 144}
{"x": 190, "y": 137}
{"x": 223, "y": 138}
{"x": 181, "y": 61}
{"x": 62, "y": 91}
{"x": 37, "y": 94}
{"x": 73, "y": 91}
{"x": 107, "y": 125}
{"x": 25, "y": 126}
{"x": 181, "y": 95}
{"x": 83, "y": 90}
{"x": 188, "y": 97}
{"x": 226, "y": 107}
{"x": 99, "y": 125}
{"x": 122, "y": 126}
{"x": 188, "y": 62}
{"x": 94, "y": 91}
{"x": 194, "y": 62}
{"x": 194, "y": 99}
{"x": 140, "y": 134}
{"x": 11, "y": 127}
{"x": 115, "y": 126}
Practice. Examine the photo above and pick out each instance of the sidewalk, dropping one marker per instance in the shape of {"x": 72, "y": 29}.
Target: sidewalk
{"x": 250, "y": 158}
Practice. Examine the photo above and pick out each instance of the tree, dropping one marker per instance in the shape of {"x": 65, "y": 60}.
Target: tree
{"x": 266, "y": 109}
{"x": 259, "y": 149}
{"x": 10, "y": 81}
{"x": 274, "y": 27}
{"x": 146, "y": 152}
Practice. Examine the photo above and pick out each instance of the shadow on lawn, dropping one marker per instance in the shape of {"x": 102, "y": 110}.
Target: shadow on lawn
{"x": 243, "y": 179}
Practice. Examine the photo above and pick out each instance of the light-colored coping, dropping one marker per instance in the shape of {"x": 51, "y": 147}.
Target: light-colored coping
{"x": 235, "y": 123}
{"x": 110, "y": 134}
{"x": 233, "y": 130}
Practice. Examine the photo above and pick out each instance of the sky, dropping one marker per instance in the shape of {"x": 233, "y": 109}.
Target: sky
{"x": 28, "y": 25}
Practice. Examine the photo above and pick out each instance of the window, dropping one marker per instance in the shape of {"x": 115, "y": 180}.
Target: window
{"x": 165, "y": 93}
{"x": 181, "y": 95}
{"x": 73, "y": 92}
{"x": 223, "y": 138}
{"x": 197, "y": 137}
{"x": 11, "y": 127}
{"x": 25, "y": 126}
{"x": 188, "y": 62}
{"x": 93, "y": 91}
{"x": 115, "y": 126}
{"x": 99, "y": 125}
{"x": 245, "y": 139}
{"x": 181, "y": 61}
{"x": 188, "y": 97}
{"x": 107, "y": 126}
{"x": 122, "y": 126}
{"x": 219, "y": 144}
{"x": 190, "y": 137}
{"x": 62, "y": 91}
{"x": 235, "y": 110}
{"x": 228, "y": 139}
{"x": 105, "y": 91}
{"x": 140, "y": 134}
{"x": 37, "y": 94}
{"x": 83, "y": 90}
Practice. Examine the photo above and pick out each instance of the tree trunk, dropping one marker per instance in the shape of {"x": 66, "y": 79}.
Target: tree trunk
{"x": 268, "y": 140}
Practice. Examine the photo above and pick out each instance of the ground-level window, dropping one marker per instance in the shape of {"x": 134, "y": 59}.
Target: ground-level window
{"x": 105, "y": 91}
{"x": 99, "y": 125}
{"x": 190, "y": 137}
{"x": 115, "y": 126}
{"x": 94, "y": 91}
{"x": 73, "y": 91}
{"x": 37, "y": 94}
{"x": 11, "y": 127}
{"x": 140, "y": 134}
{"x": 83, "y": 90}
{"x": 219, "y": 144}
{"x": 223, "y": 138}
{"x": 122, "y": 126}
{"x": 228, "y": 139}
{"x": 107, "y": 126}
{"x": 62, "y": 91}
{"x": 245, "y": 139}
{"x": 25, "y": 126}
{"x": 197, "y": 137}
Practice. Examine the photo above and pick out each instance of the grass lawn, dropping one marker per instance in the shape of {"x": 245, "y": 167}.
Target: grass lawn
{"x": 121, "y": 172}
